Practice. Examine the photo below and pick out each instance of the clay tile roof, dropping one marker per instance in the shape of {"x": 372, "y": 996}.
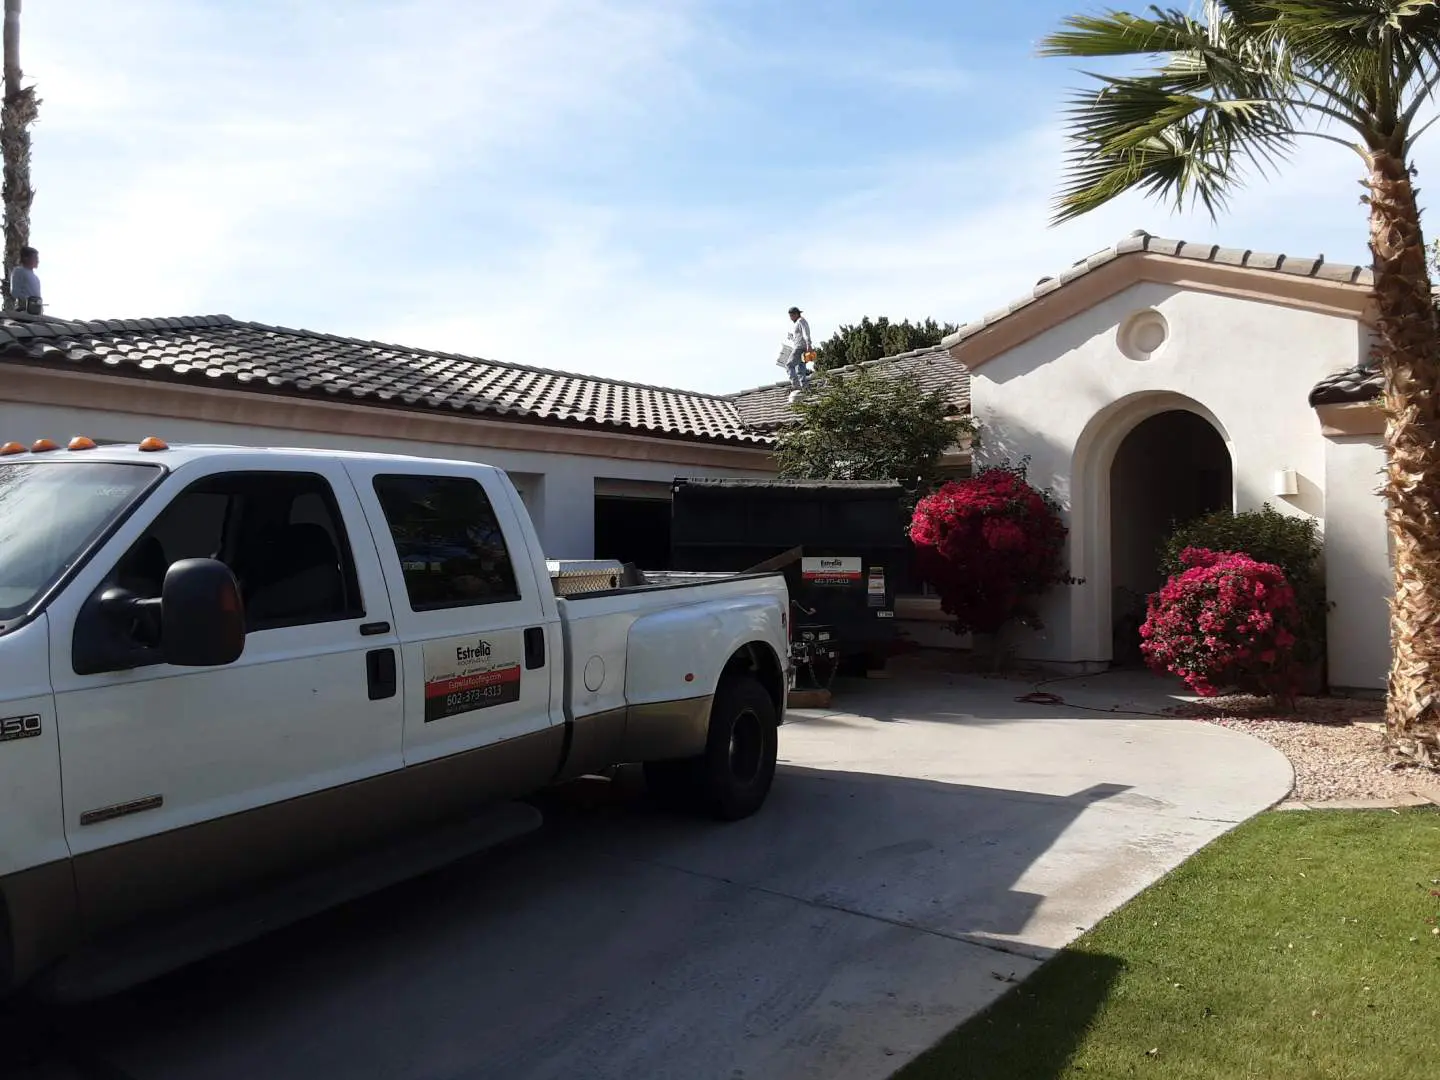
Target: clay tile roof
{"x": 1352, "y": 386}
{"x": 1140, "y": 242}
{"x": 219, "y": 351}
{"x": 768, "y": 407}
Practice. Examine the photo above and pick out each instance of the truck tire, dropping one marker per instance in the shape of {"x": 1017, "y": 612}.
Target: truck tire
{"x": 731, "y": 779}
{"x": 738, "y": 765}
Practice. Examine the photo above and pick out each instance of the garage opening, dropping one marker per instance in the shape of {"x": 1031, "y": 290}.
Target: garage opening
{"x": 632, "y": 523}
{"x": 1170, "y": 469}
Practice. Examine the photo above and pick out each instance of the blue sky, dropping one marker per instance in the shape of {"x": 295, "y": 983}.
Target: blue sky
{"x": 632, "y": 188}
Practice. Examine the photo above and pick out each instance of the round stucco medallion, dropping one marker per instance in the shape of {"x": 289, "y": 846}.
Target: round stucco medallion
{"x": 594, "y": 674}
{"x": 1143, "y": 334}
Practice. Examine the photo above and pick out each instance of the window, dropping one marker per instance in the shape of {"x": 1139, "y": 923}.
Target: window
{"x": 281, "y": 533}
{"x": 452, "y": 552}
{"x": 50, "y": 514}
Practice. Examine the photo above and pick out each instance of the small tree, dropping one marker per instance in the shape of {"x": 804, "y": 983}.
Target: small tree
{"x": 1266, "y": 535}
{"x": 1225, "y": 621}
{"x": 869, "y": 340}
{"x": 991, "y": 546}
{"x": 868, "y": 426}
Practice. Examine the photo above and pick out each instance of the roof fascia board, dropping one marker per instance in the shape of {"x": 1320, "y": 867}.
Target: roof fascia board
{"x": 153, "y": 398}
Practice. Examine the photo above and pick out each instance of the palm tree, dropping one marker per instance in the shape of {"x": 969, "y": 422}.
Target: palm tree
{"x": 17, "y": 113}
{"x": 1230, "y": 90}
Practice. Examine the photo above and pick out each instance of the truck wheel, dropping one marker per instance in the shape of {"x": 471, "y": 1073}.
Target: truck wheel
{"x": 739, "y": 761}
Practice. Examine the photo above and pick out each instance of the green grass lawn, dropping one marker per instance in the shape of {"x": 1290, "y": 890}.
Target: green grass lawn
{"x": 1301, "y": 945}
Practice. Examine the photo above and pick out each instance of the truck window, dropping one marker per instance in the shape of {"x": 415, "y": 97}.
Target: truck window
{"x": 281, "y": 533}
{"x": 452, "y": 551}
{"x": 51, "y": 513}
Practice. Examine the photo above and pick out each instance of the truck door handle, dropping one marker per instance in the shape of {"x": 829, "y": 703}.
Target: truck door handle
{"x": 380, "y": 673}
{"x": 534, "y": 648}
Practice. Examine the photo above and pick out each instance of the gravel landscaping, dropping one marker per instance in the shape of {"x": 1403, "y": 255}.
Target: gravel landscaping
{"x": 1335, "y": 745}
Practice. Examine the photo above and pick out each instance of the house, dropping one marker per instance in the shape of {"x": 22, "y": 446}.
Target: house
{"x": 1157, "y": 380}
{"x": 1151, "y": 382}
{"x": 593, "y": 458}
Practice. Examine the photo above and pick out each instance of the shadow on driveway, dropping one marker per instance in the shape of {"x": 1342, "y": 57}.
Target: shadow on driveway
{"x": 831, "y": 935}
{"x": 1056, "y": 1025}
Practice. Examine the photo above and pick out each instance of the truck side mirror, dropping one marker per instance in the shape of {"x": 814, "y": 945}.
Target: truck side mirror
{"x": 202, "y": 617}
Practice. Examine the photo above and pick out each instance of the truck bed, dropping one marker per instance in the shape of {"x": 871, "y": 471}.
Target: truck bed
{"x": 593, "y": 578}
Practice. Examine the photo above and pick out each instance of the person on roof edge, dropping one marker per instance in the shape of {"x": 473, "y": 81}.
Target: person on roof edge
{"x": 797, "y": 340}
{"x": 25, "y": 283}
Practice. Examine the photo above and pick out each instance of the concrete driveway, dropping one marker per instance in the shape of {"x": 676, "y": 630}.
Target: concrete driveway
{"x": 924, "y": 845}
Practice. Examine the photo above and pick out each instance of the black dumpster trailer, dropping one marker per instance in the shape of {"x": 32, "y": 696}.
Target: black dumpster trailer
{"x": 840, "y": 543}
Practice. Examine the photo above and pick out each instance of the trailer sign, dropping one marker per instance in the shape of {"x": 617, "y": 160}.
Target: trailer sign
{"x": 831, "y": 570}
{"x": 875, "y": 587}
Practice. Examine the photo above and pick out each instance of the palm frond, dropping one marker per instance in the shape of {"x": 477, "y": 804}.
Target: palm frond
{"x": 1233, "y": 84}
{"x": 1222, "y": 100}
{"x": 1188, "y": 152}
{"x": 1377, "y": 46}
{"x": 1119, "y": 33}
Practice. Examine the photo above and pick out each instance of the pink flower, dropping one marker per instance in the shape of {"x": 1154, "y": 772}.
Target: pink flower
{"x": 1247, "y": 618}
{"x": 990, "y": 545}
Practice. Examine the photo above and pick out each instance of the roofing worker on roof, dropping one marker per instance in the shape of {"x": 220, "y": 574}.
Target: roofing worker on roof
{"x": 797, "y": 340}
{"x": 25, "y": 283}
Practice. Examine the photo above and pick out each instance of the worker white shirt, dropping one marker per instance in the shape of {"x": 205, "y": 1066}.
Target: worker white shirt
{"x": 24, "y": 283}
{"x": 799, "y": 337}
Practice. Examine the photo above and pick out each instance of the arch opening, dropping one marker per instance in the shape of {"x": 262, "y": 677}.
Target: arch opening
{"x": 1170, "y": 468}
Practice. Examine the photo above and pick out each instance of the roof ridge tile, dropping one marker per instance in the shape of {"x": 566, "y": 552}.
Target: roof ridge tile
{"x": 1142, "y": 242}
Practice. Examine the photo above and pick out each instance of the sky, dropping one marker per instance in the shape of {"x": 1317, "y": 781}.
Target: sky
{"x": 636, "y": 189}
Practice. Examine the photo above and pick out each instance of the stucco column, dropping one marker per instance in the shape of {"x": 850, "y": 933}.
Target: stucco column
{"x": 1357, "y": 563}
{"x": 564, "y": 514}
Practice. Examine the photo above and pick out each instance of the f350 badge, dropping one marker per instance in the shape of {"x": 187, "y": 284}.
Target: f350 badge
{"x": 19, "y": 727}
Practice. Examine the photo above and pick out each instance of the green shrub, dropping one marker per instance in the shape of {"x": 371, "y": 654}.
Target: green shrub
{"x": 1268, "y": 536}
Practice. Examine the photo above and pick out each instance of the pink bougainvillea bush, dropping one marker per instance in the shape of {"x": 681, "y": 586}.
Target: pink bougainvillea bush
{"x": 990, "y": 545}
{"x": 1225, "y": 622}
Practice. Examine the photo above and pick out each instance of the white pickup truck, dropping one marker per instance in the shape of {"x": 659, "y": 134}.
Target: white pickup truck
{"x": 226, "y": 673}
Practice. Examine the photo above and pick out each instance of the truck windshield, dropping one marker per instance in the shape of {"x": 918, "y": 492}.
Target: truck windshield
{"x": 50, "y": 512}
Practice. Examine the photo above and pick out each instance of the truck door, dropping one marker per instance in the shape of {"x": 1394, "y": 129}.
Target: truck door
{"x": 481, "y": 649}
{"x": 179, "y": 782}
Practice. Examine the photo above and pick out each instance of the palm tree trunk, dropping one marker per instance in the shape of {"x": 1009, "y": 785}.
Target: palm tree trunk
{"x": 1409, "y": 354}
{"x": 16, "y": 115}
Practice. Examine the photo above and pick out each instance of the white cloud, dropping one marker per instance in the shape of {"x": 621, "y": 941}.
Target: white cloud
{"x": 190, "y": 143}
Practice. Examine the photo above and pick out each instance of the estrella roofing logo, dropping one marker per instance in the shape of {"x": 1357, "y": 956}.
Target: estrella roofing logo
{"x": 832, "y": 570}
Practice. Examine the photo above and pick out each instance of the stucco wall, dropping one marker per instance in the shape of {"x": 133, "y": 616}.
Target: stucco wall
{"x": 558, "y": 488}
{"x": 1068, "y": 396}
{"x": 1357, "y": 561}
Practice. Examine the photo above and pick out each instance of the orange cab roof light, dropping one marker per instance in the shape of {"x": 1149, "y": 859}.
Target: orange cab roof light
{"x": 81, "y": 442}
{"x": 39, "y": 446}
{"x": 150, "y": 444}
{"x": 12, "y": 448}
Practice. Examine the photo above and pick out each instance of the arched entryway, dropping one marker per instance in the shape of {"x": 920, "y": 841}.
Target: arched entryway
{"x": 1170, "y": 468}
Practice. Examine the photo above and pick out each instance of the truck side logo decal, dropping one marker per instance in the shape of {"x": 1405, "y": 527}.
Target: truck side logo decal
{"x": 19, "y": 727}
{"x": 470, "y": 673}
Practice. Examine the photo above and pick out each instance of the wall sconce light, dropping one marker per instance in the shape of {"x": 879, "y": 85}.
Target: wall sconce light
{"x": 1286, "y": 483}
